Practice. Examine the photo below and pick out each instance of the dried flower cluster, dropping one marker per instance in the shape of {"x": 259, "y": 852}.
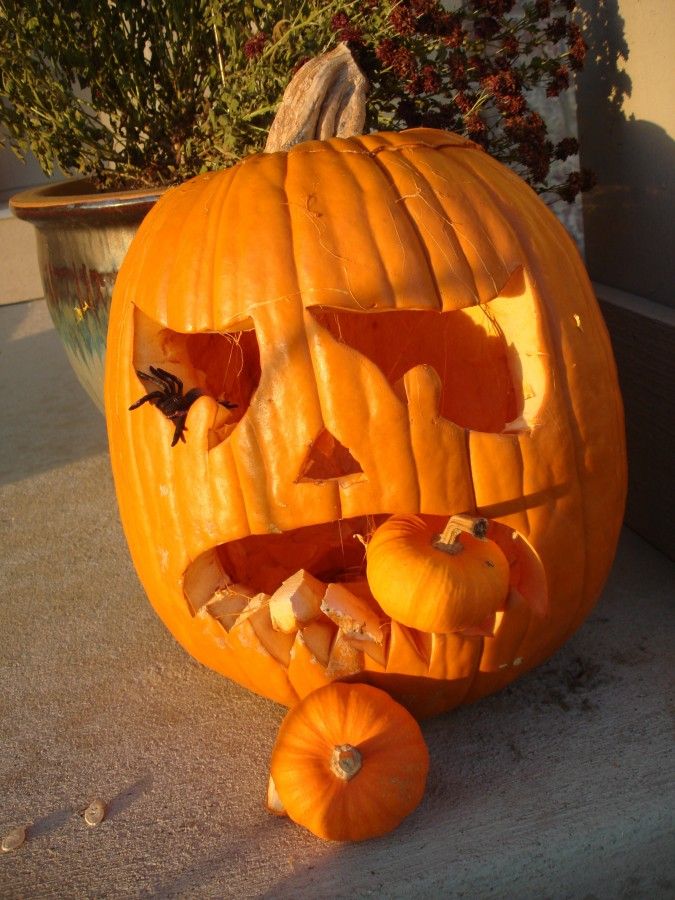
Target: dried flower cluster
{"x": 140, "y": 94}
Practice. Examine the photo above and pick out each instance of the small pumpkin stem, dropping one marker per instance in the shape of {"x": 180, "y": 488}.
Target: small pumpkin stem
{"x": 447, "y": 540}
{"x": 345, "y": 761}
{"x": 327, "y": 98}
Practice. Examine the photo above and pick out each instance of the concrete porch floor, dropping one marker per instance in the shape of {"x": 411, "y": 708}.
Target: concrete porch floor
{"x": 562, "y": 786}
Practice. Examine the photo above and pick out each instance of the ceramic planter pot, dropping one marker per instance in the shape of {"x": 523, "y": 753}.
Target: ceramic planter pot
{"x": 82, "y": 238}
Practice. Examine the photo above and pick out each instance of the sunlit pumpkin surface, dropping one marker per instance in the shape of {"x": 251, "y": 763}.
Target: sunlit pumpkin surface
{"x": 403, "y": 328}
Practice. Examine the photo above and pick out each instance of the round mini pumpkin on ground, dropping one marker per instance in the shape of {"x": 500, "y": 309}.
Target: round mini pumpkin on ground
{"x": 349, "y": 763}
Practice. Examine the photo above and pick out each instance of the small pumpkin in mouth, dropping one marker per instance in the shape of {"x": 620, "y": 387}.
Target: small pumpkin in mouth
{"x": 455, "y": 581}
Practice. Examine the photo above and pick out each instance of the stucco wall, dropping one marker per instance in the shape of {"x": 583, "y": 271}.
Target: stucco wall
{"x": 626, "y": 110}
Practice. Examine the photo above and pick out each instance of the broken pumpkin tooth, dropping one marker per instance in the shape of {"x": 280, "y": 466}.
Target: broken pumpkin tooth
{"x": 227, "y": 604}
{"x": 297, "y": 602}
{"x": 273, "y": 801}
{"x": 345, "y": 658}
{"x": 203, "y": 578}
{"x": 318, "y": 637}
{"x": 372, "y": 649}
{"x": 256, "y": 621}
{"x": 353, "y": 615}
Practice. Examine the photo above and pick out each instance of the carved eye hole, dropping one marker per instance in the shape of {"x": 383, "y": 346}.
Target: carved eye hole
{"x": 490, "y": 375}
{"x": 223, "y": 365}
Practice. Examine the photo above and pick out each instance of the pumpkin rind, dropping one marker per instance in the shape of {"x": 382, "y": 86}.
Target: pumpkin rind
{"x": 417, "y": 224}
{"x": 392, "y": 767}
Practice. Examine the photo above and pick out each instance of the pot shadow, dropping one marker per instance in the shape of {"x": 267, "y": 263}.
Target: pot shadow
{"x": 48, "y": 419}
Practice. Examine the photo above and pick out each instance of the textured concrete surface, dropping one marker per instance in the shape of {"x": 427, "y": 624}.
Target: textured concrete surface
{"x": 19, "y": 269}
{"x": 563, "y": 786}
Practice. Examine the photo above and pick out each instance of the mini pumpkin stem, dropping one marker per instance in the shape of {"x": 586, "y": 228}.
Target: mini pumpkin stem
{"x": 327, "y": 98}
{"x": 473, "y": 525}
{"x": 345, "y": 762}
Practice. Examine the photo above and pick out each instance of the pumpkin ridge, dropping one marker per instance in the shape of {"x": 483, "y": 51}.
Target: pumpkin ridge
{"x": 414, "y": 225}
{"x": 432, "y": 202}
{"x": 546, "y": 223}
{"x": 462, "y": 200}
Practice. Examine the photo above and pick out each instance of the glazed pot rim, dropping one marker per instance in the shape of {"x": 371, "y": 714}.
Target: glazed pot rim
{"x": 78, "y": 194}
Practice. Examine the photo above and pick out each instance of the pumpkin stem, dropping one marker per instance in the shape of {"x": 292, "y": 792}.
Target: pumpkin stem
{"x": 325, "y": 99}
{"x": 447, "y": 540}
{"x": 345, "y": 761}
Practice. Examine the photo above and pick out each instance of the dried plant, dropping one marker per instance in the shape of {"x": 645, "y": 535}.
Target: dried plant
{"x": 146, "y": 92}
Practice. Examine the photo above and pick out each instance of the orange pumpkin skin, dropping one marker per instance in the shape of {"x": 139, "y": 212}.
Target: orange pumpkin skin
{"x": 432, "y": 589}
{"x": 407, "y": 298}
{"x": 393, "y": 762}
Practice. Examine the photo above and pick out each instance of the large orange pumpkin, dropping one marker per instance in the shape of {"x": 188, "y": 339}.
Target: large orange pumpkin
{"x": 405, "y": 329}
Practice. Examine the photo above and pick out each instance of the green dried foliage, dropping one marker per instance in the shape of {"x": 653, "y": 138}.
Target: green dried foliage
{"x": 139, "y": 93}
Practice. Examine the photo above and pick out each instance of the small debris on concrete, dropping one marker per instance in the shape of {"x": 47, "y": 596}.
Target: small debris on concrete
{"x": 94, "y": 814}
{"x": 14, "y": 838}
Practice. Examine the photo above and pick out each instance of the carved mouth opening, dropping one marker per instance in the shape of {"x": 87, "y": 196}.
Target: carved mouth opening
{"x": 333, "y": 552}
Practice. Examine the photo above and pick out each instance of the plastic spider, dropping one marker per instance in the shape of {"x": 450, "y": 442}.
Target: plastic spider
{"x": 170, "y": 399}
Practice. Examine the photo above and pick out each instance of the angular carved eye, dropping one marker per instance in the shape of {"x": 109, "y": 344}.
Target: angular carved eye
{"x": 223, "y": 365}
{"x": 490, "y": 381}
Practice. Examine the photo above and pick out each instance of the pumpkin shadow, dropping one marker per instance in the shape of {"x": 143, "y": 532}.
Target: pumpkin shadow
{"x": 48, "y": 420}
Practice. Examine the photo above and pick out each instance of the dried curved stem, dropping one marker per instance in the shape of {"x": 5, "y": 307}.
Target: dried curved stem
{"x": 326, "y": 98}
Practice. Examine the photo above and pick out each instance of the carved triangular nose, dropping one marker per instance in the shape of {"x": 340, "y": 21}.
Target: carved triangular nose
{"x": 327, "y": 458}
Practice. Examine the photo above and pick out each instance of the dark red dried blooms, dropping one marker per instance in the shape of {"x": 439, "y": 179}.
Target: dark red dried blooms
{"x": 493, "y": 7}
{"x": 351, "y": 35}
{"x": 526, "y": 128}
{"x": 560, "y": 81}
{"x": 340, "y": 20}
{"x": 431, "y": 80}
{"x": 502, "y": 84}
{"x": 578, "y": 46}
{"x": 566, "y": 147}
{"x": 512, "y": 106}
{"x": 510, "y": 46}
{"x": 254, "y": 46}
{"x": 456, "y": 68}
{"x": 557, "y": 29}
{"x": 465, "y": 102}
{"x": 475, "y": 126}
{"x": 543, "y": 8}
{"x": 397, "y": 58}
{"x": 569, "y": 190}
{"x": 403, "y": 20}
{"x": 448, "y": 26}
{"x": 424, "y": 7}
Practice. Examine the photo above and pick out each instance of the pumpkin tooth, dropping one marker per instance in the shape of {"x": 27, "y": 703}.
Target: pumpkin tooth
{"x": 352, "y": 614}
{"x": 227, "y": 604}
{"x": 257, "y": 615}
{"x": 273, "y": 800}
{"x": 345, "y": 659}
{"x": 296, "y": 602}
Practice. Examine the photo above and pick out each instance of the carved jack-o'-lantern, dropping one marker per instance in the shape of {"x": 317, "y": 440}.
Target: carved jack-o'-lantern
{"x": 384, "y": 326}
